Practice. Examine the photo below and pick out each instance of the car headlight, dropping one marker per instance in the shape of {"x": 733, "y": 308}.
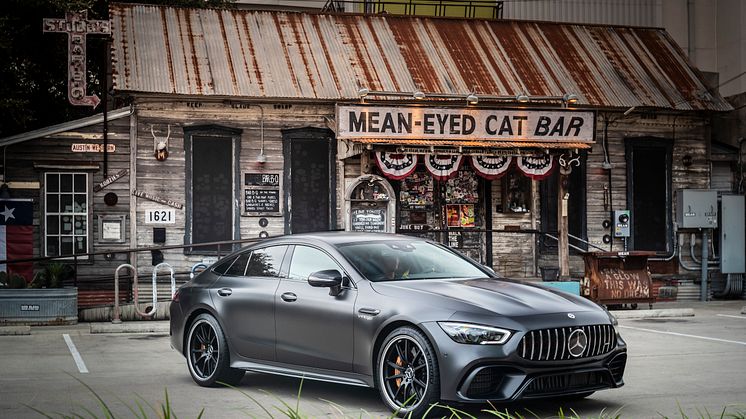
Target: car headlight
{"x": 475, "y": 334}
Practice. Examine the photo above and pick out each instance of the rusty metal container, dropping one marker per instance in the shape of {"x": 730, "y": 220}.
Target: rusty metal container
{"x": 617, "y": 278}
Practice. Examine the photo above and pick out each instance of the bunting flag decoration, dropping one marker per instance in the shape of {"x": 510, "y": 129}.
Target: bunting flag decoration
{"x": 536, "y": 167}
{"x": 491, "y": 167}
{"x": 442, "y": 167}
{"x": 17, "y": 236}
{"x": 396, "y": 166}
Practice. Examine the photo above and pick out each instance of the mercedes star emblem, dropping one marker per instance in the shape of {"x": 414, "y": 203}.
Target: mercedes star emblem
{"x": 577, "y": 342}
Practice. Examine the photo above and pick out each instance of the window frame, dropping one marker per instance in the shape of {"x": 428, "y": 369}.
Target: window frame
{"x": 44, "y": 191}
{"x": 347, "y": 282}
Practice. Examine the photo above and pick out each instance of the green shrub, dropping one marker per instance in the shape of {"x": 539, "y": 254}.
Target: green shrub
{"x": 16, "y": 282}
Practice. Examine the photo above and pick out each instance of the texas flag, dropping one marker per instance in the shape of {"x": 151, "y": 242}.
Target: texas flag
{"x": 17, "y": 236}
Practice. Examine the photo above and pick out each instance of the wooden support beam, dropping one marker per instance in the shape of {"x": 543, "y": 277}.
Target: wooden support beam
{"x": 563, "y": 245}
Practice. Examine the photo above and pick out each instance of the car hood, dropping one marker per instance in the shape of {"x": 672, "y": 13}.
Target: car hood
{"x": 497, "y": 296}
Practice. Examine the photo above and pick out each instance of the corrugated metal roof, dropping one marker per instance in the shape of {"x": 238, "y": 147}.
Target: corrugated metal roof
{"x": 263, "y": 54}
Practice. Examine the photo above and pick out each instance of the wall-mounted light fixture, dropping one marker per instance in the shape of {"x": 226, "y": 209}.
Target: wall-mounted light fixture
{"x": 471, "y": 98}
{"x": 569, "y": 99}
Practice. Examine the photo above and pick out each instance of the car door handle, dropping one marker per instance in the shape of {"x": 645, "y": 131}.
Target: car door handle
{"x": 289, "y": 297}
{"x": 224, "y": 292}
{"x": 369, "y": 311}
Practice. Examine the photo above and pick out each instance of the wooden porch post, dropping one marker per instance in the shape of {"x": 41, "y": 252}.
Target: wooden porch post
{"x": 563, "y": 248}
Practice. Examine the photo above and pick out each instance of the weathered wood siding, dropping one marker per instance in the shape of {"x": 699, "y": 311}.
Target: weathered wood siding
{"x": 28, "y": 161}
{"x": 168, "y": 178}
{"x": 688, "y": 135}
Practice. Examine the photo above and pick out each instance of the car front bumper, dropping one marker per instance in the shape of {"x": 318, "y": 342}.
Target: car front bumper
{"x": 480, "y": 373}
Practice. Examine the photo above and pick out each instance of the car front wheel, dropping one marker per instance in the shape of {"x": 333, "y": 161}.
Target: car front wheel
{"x": 407, "y": 373}
{"x": 207, "y": 354}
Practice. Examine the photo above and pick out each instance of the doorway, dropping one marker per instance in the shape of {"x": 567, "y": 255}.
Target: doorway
{"x": 310, "y": 176}
{"x": 649, "y": 193}
{"x": 211, "y": 186}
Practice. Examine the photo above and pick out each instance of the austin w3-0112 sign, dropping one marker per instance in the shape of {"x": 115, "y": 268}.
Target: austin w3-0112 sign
{"x": 464, "y": 124}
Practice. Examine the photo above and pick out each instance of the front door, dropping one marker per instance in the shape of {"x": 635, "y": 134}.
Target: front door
{"x": 314, "y": 329}
{"x": 649, "y": 193}
{"x": 309, "y": 173}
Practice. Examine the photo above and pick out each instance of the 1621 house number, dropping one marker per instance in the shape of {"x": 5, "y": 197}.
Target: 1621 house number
{"x": 160, "y": 216}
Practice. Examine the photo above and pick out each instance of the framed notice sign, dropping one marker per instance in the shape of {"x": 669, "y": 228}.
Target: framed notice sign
{"x": 261, "y": 200}
{"x": 369, "y": 219}
{"x": 261, "y": 194}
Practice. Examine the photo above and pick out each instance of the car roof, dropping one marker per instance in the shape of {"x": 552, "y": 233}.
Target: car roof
{"x": 341, "y": 237}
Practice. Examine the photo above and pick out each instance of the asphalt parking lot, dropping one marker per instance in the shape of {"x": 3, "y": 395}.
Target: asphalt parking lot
{"x": 677, "y": 366}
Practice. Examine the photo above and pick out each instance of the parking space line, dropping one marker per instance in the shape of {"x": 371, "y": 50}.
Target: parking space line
{"x": 76, "y": 355}
{"x": 732, "y": 316}
{"x": 683, "y": 335}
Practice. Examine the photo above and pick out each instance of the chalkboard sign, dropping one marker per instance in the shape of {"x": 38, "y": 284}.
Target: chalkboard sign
{"x": 261, "y": 179}
{"x": 368, "y": 219}
{"x": 261, "y": 200}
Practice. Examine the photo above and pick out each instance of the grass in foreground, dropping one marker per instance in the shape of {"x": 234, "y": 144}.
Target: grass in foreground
{"x": 142, "y": 409}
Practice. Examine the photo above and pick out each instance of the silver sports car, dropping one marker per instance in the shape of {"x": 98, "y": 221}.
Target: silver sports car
{"x": 410, "y": 317}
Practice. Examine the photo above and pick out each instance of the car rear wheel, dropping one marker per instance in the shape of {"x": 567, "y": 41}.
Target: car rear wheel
{"x": 407, "y": 373}
{"x": 207, "y": 354}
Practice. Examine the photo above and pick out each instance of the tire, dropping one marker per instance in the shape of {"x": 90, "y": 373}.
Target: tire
{"x": 207, "y": 354}
{"x": 406, "y": 374}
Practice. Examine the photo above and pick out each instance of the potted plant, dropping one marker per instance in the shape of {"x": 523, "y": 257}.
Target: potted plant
{"x": 44, "y": 300}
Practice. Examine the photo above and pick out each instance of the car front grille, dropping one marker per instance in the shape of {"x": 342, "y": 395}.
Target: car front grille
{"x": 553, "y": 344}
{"x": 565, "y": 383}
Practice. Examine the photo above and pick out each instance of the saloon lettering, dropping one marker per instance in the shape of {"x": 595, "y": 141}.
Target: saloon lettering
{"x": 474, "y": 124}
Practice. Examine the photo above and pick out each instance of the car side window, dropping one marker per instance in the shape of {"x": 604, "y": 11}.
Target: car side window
{"x": 266, "y": 262}
{"x": 238, "y": 267}
{"x": 223, "y": 264}
{"x": 307, "y": 260}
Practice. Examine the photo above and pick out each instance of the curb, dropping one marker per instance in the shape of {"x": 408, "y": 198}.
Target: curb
{"x": 743, "y": 310}
{"x": 130, "y": 327}
{"x": 654, "y": 314}
{"x": 15, "y": 330}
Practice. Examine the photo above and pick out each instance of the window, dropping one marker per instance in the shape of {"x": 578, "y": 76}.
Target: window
{"x": 238, "y": 268}
{"x": 307, "y": 260}
{"x": 66, "y": 223}
{"x": 266, "y": 262}
{"x": 221, "y": 266}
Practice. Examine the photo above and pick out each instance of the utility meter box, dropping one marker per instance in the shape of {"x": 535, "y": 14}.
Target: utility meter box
{"x": 622, "y": 223}
{"x": 732, "y": 234}
{"x": 696, "y": 208}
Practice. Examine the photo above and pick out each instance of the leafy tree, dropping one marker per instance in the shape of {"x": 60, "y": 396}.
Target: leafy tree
{"x": 33, "y": 64}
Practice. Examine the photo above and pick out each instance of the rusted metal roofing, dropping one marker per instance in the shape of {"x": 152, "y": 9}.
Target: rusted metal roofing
{"x": 288, "y": 55}
{"x": 413, "y": 142}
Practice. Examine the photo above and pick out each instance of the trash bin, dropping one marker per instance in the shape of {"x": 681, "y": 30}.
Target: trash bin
{"x": 617, "y": 278}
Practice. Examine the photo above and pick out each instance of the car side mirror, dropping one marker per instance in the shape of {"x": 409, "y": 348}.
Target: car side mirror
{"x": 330, "y": 278}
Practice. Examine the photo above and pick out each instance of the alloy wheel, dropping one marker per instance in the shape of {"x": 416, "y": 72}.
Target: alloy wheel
{"x": 203, "y": 350}
{"x": 404, "y": 372}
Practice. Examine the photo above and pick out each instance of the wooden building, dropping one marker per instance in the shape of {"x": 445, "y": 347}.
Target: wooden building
{"x": 253, "y": 123}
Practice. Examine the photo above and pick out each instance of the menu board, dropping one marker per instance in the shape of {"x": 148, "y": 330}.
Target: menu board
{"x": 261, "y": 200}
{"x": 368, "y": 219}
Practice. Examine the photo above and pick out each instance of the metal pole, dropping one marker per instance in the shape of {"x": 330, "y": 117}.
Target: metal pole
{"x": 705, "y": 245}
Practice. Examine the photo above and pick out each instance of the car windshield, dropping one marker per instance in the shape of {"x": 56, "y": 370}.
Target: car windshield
{"x": 401, "y": 259}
